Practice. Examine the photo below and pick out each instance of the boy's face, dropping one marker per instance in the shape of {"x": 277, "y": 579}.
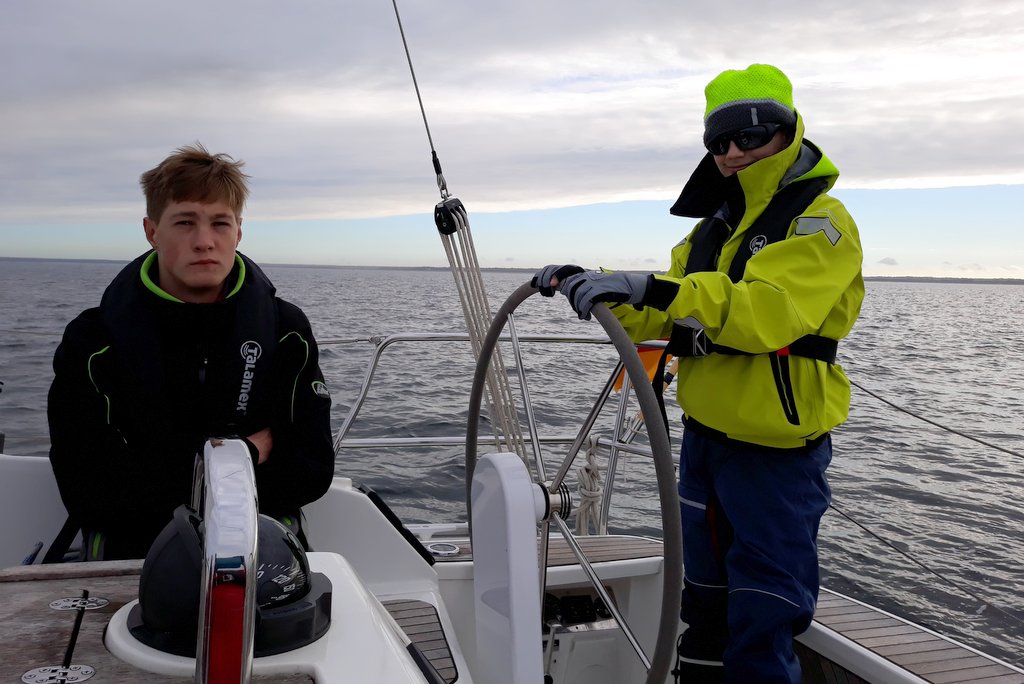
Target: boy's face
{"x": 195, "y": 244}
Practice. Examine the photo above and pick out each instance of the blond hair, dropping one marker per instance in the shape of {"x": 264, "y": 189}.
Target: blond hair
{"x": 191, "y": 174}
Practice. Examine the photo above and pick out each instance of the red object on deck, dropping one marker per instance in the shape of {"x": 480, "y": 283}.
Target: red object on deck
{"x": 227, "y": 629}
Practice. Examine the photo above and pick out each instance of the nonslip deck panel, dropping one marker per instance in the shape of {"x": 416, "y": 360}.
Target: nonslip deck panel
{"x": 420, "y": 622}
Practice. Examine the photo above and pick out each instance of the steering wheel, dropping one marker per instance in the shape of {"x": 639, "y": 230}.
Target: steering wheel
{"x": 664, "y": 651}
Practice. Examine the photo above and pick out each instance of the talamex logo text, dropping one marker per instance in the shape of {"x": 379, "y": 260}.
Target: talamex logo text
{"x": 251, "y": 352}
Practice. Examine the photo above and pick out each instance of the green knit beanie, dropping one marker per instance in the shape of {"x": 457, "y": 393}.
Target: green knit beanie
{"x": 740, "y": 98}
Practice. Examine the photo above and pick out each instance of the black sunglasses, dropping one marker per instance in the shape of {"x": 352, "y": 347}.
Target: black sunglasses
{"x": 749, "y": 138}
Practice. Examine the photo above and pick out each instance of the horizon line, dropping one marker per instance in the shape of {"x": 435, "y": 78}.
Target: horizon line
{"x": 517, "y": 269}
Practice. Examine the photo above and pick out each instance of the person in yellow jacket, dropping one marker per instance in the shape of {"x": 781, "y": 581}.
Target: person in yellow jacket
{"x": 755, "y": 302}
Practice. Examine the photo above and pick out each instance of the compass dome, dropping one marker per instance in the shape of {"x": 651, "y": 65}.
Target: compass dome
{"x": 293, "y": 606}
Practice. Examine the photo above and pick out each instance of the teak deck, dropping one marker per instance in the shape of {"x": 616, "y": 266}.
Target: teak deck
{"x": 33, "y": 635}
{"x": 927, "y": 655}
{"x": 913, "y": 648}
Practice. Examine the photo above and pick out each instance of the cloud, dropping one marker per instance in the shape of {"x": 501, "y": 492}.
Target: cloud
{"x": 888, "y": 261}
{"x": 530, "y": 104}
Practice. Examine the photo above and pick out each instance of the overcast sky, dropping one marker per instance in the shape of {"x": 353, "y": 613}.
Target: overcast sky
{"x": 567, "y": 127}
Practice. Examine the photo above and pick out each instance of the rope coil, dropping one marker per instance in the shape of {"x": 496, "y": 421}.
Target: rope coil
{"x": 590, "y": 491}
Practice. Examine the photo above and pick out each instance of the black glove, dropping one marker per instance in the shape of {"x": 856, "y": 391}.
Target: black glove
{"x": 542, "y": 280}
{"x": 590, "y": 287}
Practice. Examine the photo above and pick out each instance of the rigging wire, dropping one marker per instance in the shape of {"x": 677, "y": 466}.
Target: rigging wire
{"x": 415, "y": 83}
{"x": 442, "y": 185}
{"x": 16, "y": 331}
{"x": 938, "y": 425}
{"x": 922, "y": 565}
{"x": 984, "y": 602}
{"x": 452, "y": 220}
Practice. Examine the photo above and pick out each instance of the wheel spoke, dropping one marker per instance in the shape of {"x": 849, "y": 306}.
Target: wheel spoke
{"x": 581, "y": 558}
{"x": 588, "y": 425}
{"x": 524, "y": 388}
{"x": 672, "y": 572}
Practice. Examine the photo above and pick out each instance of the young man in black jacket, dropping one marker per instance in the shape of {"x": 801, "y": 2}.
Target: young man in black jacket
{"x": 189, "y": 342}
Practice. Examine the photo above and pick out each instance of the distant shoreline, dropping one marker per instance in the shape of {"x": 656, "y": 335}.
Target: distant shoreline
{"x": 907, "y": 279}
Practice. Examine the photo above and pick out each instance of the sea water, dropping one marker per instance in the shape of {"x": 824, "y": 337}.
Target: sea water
{"x": 927, "y": 521}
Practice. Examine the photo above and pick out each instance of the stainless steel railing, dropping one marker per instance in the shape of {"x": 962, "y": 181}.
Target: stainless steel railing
{"x": 616, "y": 442}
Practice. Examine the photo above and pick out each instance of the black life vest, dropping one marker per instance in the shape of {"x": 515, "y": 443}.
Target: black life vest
{"x": 771, "y": 226}
{"x": 153, "y": 339}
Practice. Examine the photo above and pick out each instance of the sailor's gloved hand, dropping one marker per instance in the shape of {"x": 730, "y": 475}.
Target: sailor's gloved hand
{"x": 542, "y": 279}
{"x": 590, "y": 287}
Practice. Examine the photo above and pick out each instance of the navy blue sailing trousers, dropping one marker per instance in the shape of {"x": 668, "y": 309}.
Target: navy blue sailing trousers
{"x": 750, "y": 525}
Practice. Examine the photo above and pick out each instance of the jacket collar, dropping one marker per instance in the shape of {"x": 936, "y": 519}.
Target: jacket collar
{"x": 744, "y": 195}
{"x": 150, "y": 277}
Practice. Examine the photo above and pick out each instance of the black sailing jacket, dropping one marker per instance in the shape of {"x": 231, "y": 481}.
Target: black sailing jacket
{"x": 143, "y": 380}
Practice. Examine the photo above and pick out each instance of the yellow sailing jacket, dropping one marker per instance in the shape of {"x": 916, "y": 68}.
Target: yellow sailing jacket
{"x": 808, "y": 283}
